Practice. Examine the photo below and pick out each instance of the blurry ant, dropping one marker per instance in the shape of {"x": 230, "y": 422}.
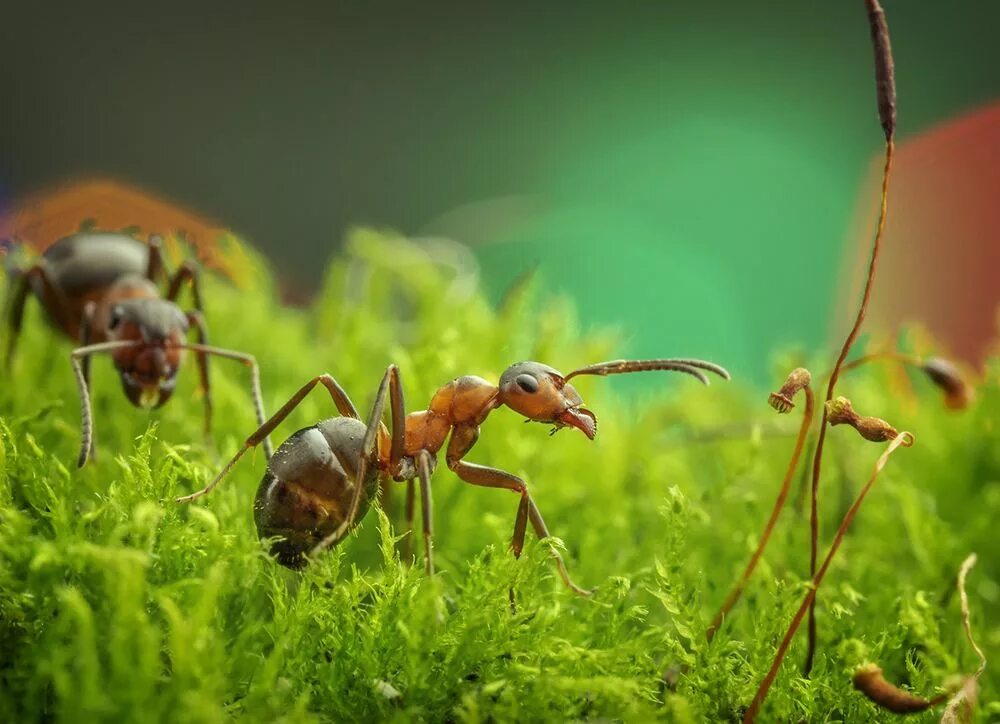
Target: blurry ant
{"x": 320, "y": 481}
{"x": 100, "y": 289}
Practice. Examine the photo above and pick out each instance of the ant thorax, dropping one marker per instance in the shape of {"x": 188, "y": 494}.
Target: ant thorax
{"x": 465, "y": 400}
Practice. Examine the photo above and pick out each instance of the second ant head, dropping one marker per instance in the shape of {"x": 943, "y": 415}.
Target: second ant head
{"x": 148, "y": 370}
{"x": 542, "y": 394}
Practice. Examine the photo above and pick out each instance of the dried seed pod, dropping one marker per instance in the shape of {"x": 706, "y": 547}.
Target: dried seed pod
{"x": 885, "y": 78}
{"x": 943, "y": 373}
{"x": 870, "y": 682}
{"x": 798, "y": 380}
{"x": 839, "y": 411}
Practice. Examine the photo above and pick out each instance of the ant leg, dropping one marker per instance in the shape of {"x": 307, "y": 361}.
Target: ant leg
{"x": 462, "y": 440}
{"x": 17, "y": 296}
{"x": 196, "y": 320}
{"x": 155, "y": 268}
{"x": 410, "y": 503}
{"x": 397, "y": 437}
{"x": 369, "y": 455}
{"x": 398, "y": 412}
{"x": 186, "y": 272}
{"x": 255, "y": 393}
{"x": 266, "y": 428}
{"x": 54, "y": 301}
{"x": 86, "y": 414}
{"x": 426, "y": 508}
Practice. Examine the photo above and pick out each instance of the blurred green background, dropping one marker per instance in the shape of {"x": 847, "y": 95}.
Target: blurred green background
{"x": 687, "y": 171}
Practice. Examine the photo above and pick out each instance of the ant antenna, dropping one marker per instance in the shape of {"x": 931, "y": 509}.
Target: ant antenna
{"x": 691, "y": 367}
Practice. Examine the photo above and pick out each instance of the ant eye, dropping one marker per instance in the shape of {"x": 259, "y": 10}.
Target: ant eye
{"x": 527, "y": 383}
{"x": 116, "y": 317}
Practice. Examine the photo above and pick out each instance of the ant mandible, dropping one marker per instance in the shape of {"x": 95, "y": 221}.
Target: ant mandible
{"x": 320, "y": 481}
{"x": 100, "y": 289}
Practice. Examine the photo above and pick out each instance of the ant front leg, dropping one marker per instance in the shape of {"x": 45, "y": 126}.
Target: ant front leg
{"x": 255, "y": 393}
{"x": 53, "y": 300}
{"x": 196, "y": 320}
{"x": 462, "y": 440}
{"x": 155, "y": 268}
{"x": 187, "y": 272}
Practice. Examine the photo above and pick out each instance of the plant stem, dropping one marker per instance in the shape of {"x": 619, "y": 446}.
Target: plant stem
{"x": 904, "y": 438}
{"x": 834, "y": 375}
{"x": 779, "y": 503}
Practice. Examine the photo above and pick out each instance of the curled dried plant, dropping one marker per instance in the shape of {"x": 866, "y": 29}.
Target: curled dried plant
{"x": 870, "y": 681}
{"x": 783, "y": 402}
{"x": 902, "y": 439}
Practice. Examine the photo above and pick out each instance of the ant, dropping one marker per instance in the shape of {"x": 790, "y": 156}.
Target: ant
{"x": 321, "y": 480}
{"x": 100, "y": 289}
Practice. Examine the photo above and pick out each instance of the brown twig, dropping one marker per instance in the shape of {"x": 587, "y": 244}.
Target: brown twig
{"x": 904, "y": 438}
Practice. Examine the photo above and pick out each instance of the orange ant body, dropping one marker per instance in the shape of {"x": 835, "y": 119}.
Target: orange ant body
{"x": 99, "y": 288}
{"x": 321, "y": 480}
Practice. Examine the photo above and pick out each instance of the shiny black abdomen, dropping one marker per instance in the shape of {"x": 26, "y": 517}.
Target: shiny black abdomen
{"x": 306, "y": 492}
{"x": 88, "y": 261}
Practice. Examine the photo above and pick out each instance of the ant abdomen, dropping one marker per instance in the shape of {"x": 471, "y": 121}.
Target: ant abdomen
{"x": 306, "y": 492}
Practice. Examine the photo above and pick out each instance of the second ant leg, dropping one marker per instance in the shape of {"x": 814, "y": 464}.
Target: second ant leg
{"x": 527, "y": 510}
{"x": 410, "y": 508}
{"x": 261, "y": 433}
{"x": 426, "y": 509}
{"x": 369, "y": 455}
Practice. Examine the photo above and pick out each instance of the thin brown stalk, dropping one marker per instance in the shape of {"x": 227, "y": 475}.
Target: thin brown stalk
{"x": 885, "y": 86}
{"x": 904, "y": 438}
{"x": 834, "y": 375}
{"x": 779, "y": 503}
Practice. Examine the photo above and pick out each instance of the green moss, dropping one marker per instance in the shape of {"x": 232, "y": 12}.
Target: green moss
{"x": 117, "y": 606}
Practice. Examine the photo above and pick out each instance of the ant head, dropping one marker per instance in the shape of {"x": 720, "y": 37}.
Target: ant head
{"x": 148, "y": 370}
{"x": 542, "y": 394}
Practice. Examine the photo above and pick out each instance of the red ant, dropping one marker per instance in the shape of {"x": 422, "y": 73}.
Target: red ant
{"x": 320, "y": 481}
{"x": 100, "y": 288}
